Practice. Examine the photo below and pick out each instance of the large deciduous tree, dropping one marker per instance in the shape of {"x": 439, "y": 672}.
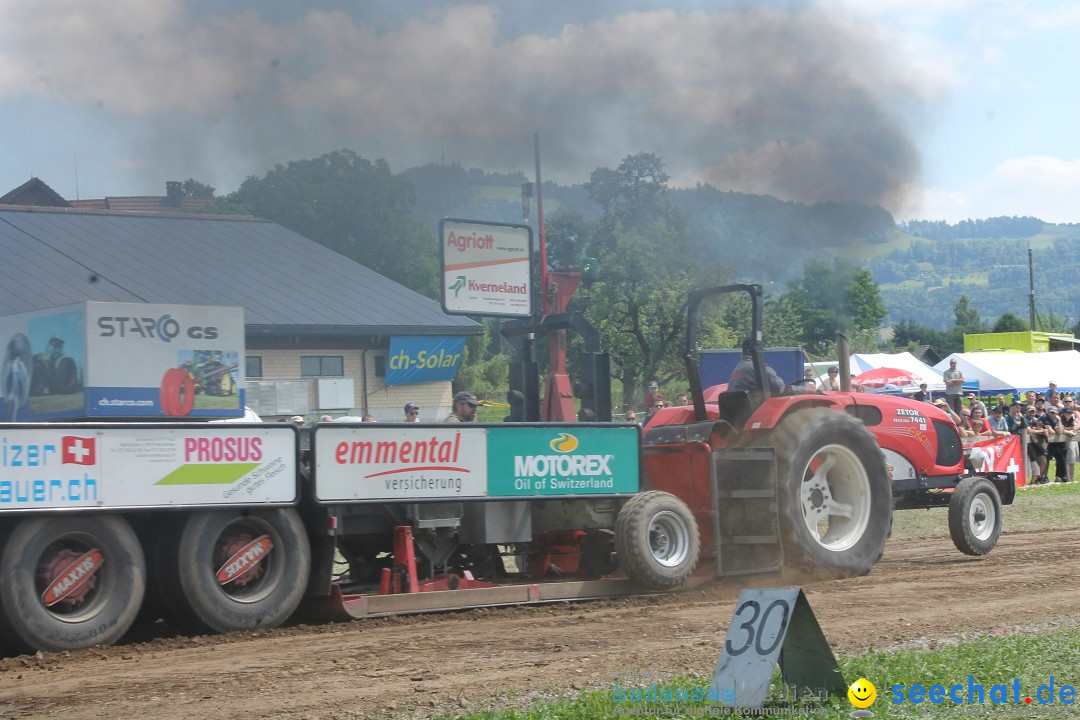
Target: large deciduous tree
{"x": 831, "y": 299}
{"x": 353, "y": 206}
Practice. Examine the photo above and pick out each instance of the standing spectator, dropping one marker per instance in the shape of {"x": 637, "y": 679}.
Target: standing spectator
{"x": 1051, "y": 389}
{"x": 1070, "y": 426}
{"x": 809, "y": 384}
{"x": 631, "y": 416}
{"x": 999, "y": 426}
{"x": 923, "y": 395}
{"x": 1057, "y": 445}
{"x": 367, "y": 418}
{"x": 976, "y": 404}
{"x": 831, "y": 381}
{"x": 1038, "y": 450}
{"x": 954, "y": 386}
{"x": 979, "y": 423}
{"x": 964, "y": 423}
{"x": 683, "y": 400}
{"x": 1029, "y": 400}
{"x": 1016, "y": 420}
{"x": 412, "y": 412}
{"x": 654, "y": 399}
{"x": 464, "y": 408}
{"x": 326, "y": 418}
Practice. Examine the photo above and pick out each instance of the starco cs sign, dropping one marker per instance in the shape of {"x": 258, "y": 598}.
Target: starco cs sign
{"x": 486, "y": 268}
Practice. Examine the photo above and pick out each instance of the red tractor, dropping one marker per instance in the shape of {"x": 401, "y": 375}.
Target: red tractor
{"x": 802, "y": 480}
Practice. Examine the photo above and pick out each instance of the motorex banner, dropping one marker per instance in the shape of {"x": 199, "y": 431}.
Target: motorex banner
{"x": 415, "y": 360}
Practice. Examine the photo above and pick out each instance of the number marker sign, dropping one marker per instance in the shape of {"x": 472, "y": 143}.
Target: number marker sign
{"x": 771, "y": 626}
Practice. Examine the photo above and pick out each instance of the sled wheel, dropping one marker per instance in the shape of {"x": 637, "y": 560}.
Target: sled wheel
{"x": 975, "y": 516}
{"x": 657, "y": 540}
{"x": 835, "y": 493}
{"x": 67, "y": 377}
{"x": 237, "y": 570}
{"x": 70, "y": 582}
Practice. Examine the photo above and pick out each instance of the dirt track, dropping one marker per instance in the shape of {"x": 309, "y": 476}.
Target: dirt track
{"x": 451, "y": 663}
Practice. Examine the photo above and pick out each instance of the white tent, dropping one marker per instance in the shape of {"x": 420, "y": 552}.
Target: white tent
{"x": 861, "y": 362}
{"x": 1004, "y": 372}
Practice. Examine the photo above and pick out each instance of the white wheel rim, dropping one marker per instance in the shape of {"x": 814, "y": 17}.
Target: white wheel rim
{"x": 669, "y": 539}
{"x": 982, "y": 517}
{"x": 835, "y": 497}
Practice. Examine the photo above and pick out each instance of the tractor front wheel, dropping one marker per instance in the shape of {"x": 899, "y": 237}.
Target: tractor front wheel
{"x": 975, "y": 516}
{"x": 657, "y": 540}
{"x": 835, "y": 493}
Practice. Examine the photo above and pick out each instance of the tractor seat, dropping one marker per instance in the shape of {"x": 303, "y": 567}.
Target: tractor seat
{"x": 735, "y": 407}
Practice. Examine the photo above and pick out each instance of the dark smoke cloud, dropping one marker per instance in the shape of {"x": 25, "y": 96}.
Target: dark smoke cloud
{"x": 784, "y": 101}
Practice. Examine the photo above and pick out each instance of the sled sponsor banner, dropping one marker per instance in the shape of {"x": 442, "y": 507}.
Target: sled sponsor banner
{"x": 562, "y": 460}
{"x": 486, "y": 267}
{"x": 122, "y": 360}
{"x": 125, "y": 467}
{"x": 423, "y": 359}
{"x": 430, "y": 462}
{"x": 1001, "y": 455}
{"x": 452, "y": 462}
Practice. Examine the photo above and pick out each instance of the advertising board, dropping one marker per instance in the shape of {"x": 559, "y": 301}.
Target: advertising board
{"x": 63, "y": 467}
{"x": 486, "y": 268}
{"x": 122, "y": 360}
{"x": 454, "y": 461}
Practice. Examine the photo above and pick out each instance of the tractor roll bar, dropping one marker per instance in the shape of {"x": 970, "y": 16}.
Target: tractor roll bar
{"x": 693, "y": 363}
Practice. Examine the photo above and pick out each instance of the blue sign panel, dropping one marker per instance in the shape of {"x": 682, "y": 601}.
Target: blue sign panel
{"x": 415, "y": 360}
{"x": 716, "y": 365}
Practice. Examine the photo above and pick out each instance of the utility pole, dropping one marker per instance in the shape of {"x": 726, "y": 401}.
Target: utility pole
{"x": 1031, "y": 290}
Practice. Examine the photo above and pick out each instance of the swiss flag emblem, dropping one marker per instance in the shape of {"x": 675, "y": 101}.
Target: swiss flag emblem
{"x": 79, "y": 450}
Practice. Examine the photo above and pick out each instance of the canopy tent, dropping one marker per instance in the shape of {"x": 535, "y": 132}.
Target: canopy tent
{"x": 917, "y": 370}
{"x": 1013, "y": 372}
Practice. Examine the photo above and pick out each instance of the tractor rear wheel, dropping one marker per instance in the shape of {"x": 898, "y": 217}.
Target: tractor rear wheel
{"x": 975, "y": 516}
{"x": 657, "y": 541}
{"x": 835, "y": 493}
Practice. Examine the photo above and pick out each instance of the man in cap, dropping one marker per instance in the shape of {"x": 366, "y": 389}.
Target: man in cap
{"x": 954, "y": 386}
{"x": 742, "y": 377}
{"x": 999, "y": 426}
{"x": 464, "y": 407}
{"x": 923, "y": 395}
{"x": 654, "y": 399}
{"x": 974, "y": 403}
{"x": 412, "y": 412}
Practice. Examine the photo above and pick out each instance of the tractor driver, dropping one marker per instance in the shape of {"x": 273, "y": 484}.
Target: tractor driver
{"x": 742, "y": 377}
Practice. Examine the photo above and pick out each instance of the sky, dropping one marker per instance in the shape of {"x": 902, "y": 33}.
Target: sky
{"x": 933, "y": 109}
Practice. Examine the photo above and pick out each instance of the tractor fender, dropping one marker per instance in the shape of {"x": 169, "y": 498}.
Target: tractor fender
{"x": 771, "y": 412}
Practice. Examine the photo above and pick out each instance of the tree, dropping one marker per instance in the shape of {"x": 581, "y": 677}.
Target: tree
{"x": 967, "y": 317}
{"x": 1008, "y": 322}
{"x": 830, "y": 300}
{"x": 645, "y": 275}
{"x": 195, "y": 189}
{"x": 353, "y": 206}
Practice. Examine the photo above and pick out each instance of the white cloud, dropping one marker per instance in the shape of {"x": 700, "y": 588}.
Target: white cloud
{"x": 1038, "y": 186}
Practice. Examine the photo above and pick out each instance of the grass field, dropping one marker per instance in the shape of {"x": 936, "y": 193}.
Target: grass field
{"x": 1022, "y": 664}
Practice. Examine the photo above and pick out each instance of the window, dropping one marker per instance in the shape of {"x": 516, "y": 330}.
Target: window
{"x": 322, "y": 366}
{"x": 253, "y": 366}
{"x": 380, "y": 366}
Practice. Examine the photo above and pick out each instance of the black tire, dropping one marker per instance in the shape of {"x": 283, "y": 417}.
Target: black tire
{"x": 100, "y": 614}
{"x": 975, "y": 516}
{"x": 657, "y": 541}
{"x": 263, "y": 596}
{"x": 835, "y": 494}
{"x": 66, "y": 379}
